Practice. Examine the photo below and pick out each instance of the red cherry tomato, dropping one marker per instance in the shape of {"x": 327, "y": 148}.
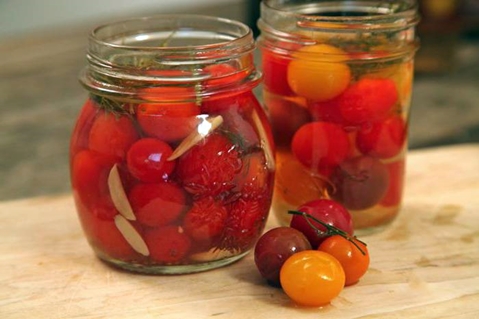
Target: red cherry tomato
{"x": 368, "y": 100}
{"x": 206, "y": 220}
{"x": 275, "y": 70}
{"x": 167, "y": 244}
{"x": 286, "y": 118}
{"x": 157, "y": 204}
{"x": 80, "y": 134}
{"x": 89, "y": 182}
{"x": 382, "y": 139}
{"x": 169, "y": 120}
{"x": 112, "y": 135}
{"x": 312, "y": 278}
{"x": 245, "y": 223}
{"x": 320, "y": 144}
{"x": 354, "y": 262}
{"x": 254, "y": 176}
{"x": 327, "y": 211}
{"x": 209, "y": 168}
{"x": 147, "y": 160}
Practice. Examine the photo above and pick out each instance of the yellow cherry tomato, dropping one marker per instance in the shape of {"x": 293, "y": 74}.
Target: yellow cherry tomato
{"x": 312, "y": 278}
{"x": 319, "y": 72}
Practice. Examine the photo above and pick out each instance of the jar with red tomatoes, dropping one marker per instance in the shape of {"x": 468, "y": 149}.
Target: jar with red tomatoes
{"x": 337, "y": 85}
{"x": 171, "y": 157}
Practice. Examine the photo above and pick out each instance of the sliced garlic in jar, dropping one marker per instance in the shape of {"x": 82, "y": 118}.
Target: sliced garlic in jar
{"x": 131, "y": 235}
{"x": 265, "y": 144}
{"x": 118, "y": 195}
{"x": 204, "y": 128}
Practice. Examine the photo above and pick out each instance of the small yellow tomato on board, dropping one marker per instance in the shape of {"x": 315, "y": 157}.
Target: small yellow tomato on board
{"x": 312, "y": 278}
{"x": 319, "y": 72}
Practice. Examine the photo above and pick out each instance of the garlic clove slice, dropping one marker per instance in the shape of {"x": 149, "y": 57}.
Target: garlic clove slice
{"x": 131, "y": 235}
{"x": 204, "y": 128}
{"x": 118, "y": 195}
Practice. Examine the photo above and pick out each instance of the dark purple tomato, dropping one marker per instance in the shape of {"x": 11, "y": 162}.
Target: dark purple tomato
{"x": 360, "y": 182}
{"x": 274, "y": 247}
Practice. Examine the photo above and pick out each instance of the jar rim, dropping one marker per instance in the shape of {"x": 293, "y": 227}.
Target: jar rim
{"x": 103, "y": 34}
{"x": 356, "y": 14}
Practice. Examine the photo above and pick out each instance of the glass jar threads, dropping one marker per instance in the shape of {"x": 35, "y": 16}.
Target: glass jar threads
{"x": 337, "y": 86}
{"x": 172, "y": 155}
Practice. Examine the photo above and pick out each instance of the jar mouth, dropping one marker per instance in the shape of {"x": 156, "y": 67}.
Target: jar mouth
{"x": 343, "y": 15}
{"x": 162, "y": 41}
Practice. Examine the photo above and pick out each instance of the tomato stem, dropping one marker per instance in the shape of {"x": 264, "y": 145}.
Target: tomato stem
{"x": 330, "y": 229}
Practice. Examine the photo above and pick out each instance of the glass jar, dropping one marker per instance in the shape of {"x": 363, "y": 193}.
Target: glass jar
{"x": 337, "y": 86}
{"x": 171, "y": 156}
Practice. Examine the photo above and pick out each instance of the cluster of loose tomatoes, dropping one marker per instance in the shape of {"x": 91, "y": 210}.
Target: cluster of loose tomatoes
{"x": 342, "y": 119}
{"x": 314, "y": 258}
{"x": 192, "y": 175}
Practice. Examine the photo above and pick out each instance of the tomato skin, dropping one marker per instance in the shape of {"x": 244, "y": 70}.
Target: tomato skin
{"x": 360, "y": 182}
{"x": 80, "y": 134}
{"x": 147, "y": 160}
{"x": 169, "y": 120}
{"x": 368, "y": 100}
{"x": 89, "y": 181}
{"x": 167, "y": 244}
{"x": 275, "y": 68}
{"x": 112, "y": 135}
{"x": 320, "y": 144}
{"x": 157, "y": 204}
{"x": 354, "y": 263}
{"x": 205, "y": 220}
{"x": 319, "y": 79}
{"x": 312, "y": 278}
{"x": 327, "y": 211}
{"x": 382, "y": 139}
{"x": 209, "y": 168}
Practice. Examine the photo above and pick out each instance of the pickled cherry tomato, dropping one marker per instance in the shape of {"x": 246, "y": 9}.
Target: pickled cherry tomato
{"x": 320, "y": 144}
{"x": 89, "y": 181}
{"x": 368, "y": 100}
{"x": 275, "y": 70}
{"x": 360, "y": 182}
{"x": 112, "y": 135}
{"x": 382, "y": 139}
{"x": 209, "y": 167}
{"x": 79, "y": 138}
{"x": 312, "y": 278}
{"x": 205, "y": 220}
{"x": 167, "y": 244}
{"x": 319, "y": 79}
{"x": 157, "y": 204}
{"x": 354, "y": 262}
{"x": 166, "y": 120}
{"x": 147, "y": 160}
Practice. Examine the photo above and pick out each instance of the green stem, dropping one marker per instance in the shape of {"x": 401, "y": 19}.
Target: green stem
{"x": 330, "y": 229}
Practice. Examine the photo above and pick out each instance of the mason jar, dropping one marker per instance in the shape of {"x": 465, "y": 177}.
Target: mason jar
{"x": 171, "y": 157}
{"x": 337, "y": 85}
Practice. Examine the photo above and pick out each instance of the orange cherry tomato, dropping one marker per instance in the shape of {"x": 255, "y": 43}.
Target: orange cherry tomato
{"x": 354, "y": 262}
{"x": 312, "y": 278}
{"x": 319, "y": 72}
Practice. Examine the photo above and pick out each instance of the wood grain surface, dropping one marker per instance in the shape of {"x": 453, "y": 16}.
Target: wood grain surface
{"x": 425, "y": 265}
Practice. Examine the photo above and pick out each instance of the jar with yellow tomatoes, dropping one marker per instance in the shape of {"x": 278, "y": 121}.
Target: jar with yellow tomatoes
{"x": 171, "y": 157}
{"x": 337, "y": 86}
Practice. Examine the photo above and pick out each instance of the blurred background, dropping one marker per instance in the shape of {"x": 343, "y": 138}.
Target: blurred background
{"x": 42, "y": 49}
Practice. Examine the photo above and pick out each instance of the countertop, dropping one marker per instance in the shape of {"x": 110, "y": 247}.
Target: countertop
{"x": 424, "y": 265}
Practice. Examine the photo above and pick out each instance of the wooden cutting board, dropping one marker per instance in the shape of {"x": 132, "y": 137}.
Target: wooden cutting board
{"x": 425, "y": 265}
